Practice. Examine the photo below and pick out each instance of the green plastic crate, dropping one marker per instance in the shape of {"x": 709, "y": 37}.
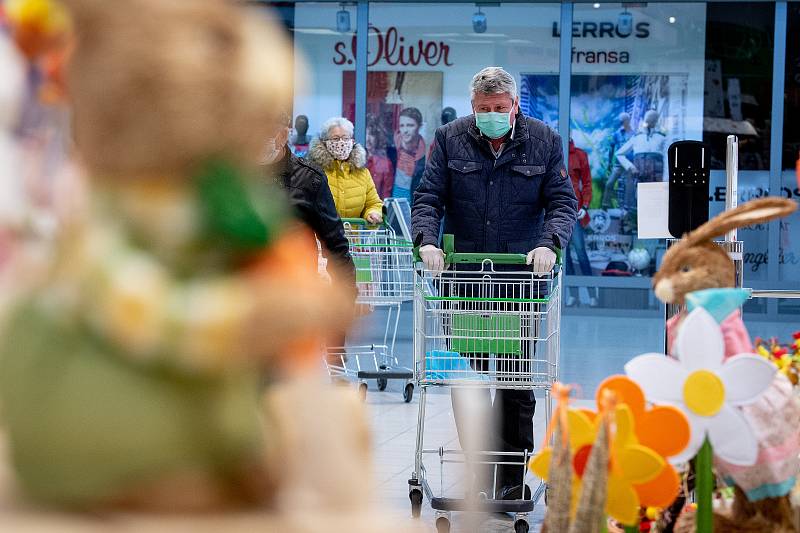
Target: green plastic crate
{"x": 363, "y": 269}
{"x": 486, "y": 333}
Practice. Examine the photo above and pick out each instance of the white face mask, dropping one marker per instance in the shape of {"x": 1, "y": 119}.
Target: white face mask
{"x": 271, "y": 152}
{"x": 340, "y": 148}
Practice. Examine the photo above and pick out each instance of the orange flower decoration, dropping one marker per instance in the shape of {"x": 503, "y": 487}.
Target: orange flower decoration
{"x": 662, "y": 428}
{"x": 639, "y": 475}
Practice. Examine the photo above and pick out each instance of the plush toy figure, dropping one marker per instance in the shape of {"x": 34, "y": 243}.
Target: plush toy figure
{"x": 699, "y": 273}
{"x": 132, "y": 373}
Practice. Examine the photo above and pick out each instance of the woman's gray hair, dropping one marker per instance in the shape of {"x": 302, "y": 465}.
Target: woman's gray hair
{"x": 333, "y": 122}
{"x": 493, "y": 80}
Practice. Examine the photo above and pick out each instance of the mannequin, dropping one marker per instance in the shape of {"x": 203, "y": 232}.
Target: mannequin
{"x": 300, "y": 140}
{"x": 448, "y": 115}
{"x": 648, "y": 157}
{"x": 620, "y": 137}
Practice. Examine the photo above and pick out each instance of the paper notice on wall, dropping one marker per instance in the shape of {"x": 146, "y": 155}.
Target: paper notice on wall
{"x": 653, "y": 210}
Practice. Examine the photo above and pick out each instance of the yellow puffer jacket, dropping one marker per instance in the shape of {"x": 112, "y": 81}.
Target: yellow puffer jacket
{"x": 350, "y": 181}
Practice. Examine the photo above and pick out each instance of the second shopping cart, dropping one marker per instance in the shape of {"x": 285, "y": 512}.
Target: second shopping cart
{"x": 384, "y": 277}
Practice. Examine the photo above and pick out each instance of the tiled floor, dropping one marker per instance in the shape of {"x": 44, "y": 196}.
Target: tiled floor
{"x": 592, "y": 349}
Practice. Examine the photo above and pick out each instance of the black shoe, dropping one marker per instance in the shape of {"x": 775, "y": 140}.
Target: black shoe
{"x": 513, "y": 492}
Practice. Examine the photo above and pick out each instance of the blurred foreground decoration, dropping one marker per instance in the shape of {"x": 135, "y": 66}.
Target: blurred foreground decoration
{"x": 134, "y": 368}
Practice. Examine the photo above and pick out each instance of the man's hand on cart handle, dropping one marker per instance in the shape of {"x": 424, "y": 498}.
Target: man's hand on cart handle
{"x": 374, "y": 217}
{"x": 543, "y": 260}
{"x": 433, "y": 258}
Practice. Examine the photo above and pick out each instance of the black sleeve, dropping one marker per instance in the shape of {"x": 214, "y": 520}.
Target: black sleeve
{"x": 561, "y": 205}
{"x": 429, "y": 200}
{"x": 325, "y": 222}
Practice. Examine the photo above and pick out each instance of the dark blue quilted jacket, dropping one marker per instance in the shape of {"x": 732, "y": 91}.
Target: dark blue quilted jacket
{"x": 513, "y": 204}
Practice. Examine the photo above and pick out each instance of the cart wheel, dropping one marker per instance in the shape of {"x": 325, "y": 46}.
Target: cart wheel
{"x": 382, "y": 382}
{"x": 521, "y": 526}
{"x": 416, "y": 502}
{"x": 408, "y": 392}
{"x": 362, "y": 391}
{"x": 442, "y": 525}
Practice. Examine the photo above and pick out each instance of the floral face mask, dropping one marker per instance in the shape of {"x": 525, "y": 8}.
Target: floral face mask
{"x": 339, "y": 148}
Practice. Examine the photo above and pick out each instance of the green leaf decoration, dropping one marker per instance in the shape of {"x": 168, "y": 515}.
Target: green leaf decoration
{"x": 228, "y": 207}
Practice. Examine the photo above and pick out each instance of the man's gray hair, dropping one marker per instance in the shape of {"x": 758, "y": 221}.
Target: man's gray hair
{"x": 493, "y": 80}
{"x": 333, "y": 122}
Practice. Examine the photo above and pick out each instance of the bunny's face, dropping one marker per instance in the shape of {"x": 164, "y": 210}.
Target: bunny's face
{"x": 687, "y": 268}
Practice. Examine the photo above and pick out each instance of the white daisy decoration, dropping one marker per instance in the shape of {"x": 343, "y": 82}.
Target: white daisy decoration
{"x": 707, "y": 388}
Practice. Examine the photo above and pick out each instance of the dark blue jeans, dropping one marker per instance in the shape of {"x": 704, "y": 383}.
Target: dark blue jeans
{"x": 578, "y": 242}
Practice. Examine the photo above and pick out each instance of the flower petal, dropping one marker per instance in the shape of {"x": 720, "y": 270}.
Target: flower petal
{"x": 660, "y": 377}
{"x": 625, "y": 435}
{"x": 665, "y": 429}
{"x": 661, "y": 491}
{"x": 731, "y": 437}
{"x": 622, "y": 502}
{"x": 540, "y": 463}
{"x": 581, "y": 430}
{"x": 700, "y": 344}
{"x": 627, "y": 391}
{"x": 591, "y": 415}
{"x": 640, "y": 464}
{"x": 697, "y": 435}
{"x": 746, "y": 377}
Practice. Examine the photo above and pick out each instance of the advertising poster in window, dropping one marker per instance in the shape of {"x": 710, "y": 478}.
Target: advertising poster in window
{"x": 399, "y": 106}
{"x": 624, "y": 124}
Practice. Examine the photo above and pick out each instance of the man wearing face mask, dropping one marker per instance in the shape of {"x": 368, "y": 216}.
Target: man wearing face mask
{"x": 309, "y": 195}
{"x": 498, "y": 181}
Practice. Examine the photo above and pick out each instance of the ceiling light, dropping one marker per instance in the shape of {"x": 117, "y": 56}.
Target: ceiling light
{"x": 342, "y": 20}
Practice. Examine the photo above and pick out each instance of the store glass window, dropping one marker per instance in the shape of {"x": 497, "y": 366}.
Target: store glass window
{"x": 739, "y": 55}
{"x": 791, "y": 122}
{"x": 738, "y": 100}
{"x": 325, "y": 50}
{"x": 789, "y": 257}
{"x": 422, "y": 58}
{"x": 637, "y": 85}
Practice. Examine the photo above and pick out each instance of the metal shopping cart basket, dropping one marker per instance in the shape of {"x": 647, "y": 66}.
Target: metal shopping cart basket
{"x": 385, "y": 278}
{"x": 507, "y": 319}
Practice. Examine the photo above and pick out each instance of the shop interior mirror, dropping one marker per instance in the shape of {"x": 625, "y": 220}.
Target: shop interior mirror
{"x": 689, "y": 182}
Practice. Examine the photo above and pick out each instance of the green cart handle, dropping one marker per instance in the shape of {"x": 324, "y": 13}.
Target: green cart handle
{"x": 355, "y": 221}
{"x": 362, "y": 222}
{"x": 453, "y": 257}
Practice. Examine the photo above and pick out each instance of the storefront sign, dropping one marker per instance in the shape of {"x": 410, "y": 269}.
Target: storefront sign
{"x": 392, "y": 49}
{"x": 604, "y": 29}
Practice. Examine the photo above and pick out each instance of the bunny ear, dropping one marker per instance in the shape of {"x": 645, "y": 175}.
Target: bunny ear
{"x": 752, "y": 212}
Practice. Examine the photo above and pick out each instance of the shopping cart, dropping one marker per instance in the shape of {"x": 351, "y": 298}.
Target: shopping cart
{"x": 385, "y": 278}
{"x": 507, "y": 319}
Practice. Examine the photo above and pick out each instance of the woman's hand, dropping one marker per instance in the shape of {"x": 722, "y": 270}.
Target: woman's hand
{"x": 374, "y": 218}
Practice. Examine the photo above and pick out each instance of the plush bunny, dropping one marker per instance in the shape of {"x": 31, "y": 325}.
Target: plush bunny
{"x": 132, "y": 374}
{"x": 689, "y": 269}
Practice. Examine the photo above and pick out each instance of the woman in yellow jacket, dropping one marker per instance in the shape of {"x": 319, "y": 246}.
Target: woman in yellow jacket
{"x": 345, "y": 165}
